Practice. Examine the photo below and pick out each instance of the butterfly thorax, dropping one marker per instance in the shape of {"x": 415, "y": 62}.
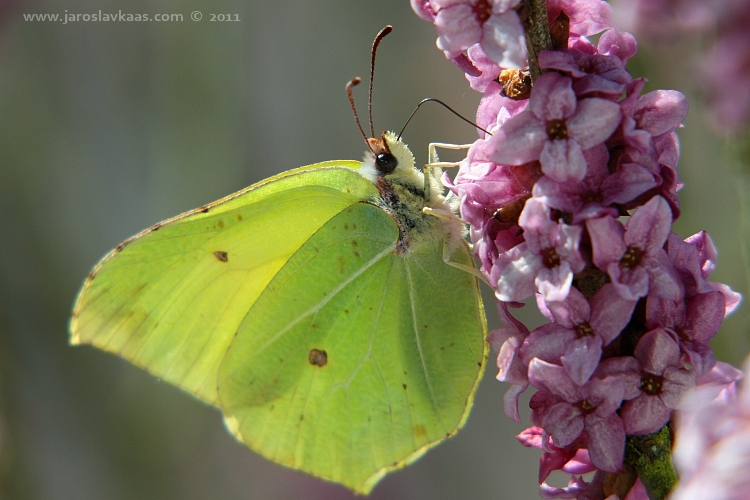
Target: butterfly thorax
{"x": 402, "y": 193}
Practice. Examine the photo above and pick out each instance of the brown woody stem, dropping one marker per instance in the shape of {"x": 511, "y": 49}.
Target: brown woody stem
{"x": 536, "y": 27}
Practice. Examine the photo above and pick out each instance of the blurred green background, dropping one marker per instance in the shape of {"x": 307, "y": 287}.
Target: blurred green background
{"x": 107, "y": 128}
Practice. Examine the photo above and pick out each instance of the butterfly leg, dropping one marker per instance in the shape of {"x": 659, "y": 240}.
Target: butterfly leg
{"x": 433, "y": 169}
{"x": 450, "y": 244}
{"x": 449, "y": 249}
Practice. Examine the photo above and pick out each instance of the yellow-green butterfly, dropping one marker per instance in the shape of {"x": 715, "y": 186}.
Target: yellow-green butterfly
{"x": 327, "y": 311}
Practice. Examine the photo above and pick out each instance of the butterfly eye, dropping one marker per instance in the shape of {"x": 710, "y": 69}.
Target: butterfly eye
{"x": 386, "y": 163}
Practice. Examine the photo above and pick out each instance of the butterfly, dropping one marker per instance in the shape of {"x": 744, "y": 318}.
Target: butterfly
{"x": 331, "y": 312}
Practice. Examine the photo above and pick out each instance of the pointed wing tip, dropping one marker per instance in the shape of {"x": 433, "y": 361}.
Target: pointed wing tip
{"x": 233, "y": 426}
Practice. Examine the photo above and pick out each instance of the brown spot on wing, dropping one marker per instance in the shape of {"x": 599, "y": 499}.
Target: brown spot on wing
{"x": 239, "y": 217}
{"x": 420, "y": 430}
{"x": 221, "y": 256}
{"x": 220, "y": 223}
{"x": 318, "y": 357}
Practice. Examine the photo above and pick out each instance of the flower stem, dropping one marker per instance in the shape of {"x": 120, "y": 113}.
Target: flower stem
{"x": 536, "y": 27}
{"x": 651, "y": 457}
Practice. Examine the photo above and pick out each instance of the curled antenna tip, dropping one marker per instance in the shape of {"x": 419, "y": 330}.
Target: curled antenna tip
{"x": 374, "y": 51}
{"x": 353, "y": 83}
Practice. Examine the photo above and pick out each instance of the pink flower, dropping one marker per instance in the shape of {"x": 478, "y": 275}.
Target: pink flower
{"x": 594, "y": 75}
{"x": 566, "y": 411}
{"x": 617, "y": 43}
{"x": 555, "y": 129}
{"x": 587, "y": 17}
{"x": 484, "y": 186}
{"x": 577, "y": 488}
{"x": 634, "y": 256}
{"x": 488, "y": 71}
{"x": 646, "y": 120}
{"x": 655, "y": 382}
{"x": 493, "y": 111}
{"x": 695, "y": 259}
{"x": 598, "y": 191}
{"x": 506, "y": 341}
{"x": 580, "y": 330}
{"x": 493, "y": 24}
{"x": 544, "y": 262}
{"x": 423, "y": 8}
{"x": 693, "y": 323}
{"x": 570, "y": 459}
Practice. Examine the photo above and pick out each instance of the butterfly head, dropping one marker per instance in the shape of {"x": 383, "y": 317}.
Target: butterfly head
{"x": 387, "y": 157}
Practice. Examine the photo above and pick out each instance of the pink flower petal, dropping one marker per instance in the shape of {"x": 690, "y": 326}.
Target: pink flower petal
{"x": 554, "y": 284}
{"x": 650, "y": 225}
{"x": 520, "y": 140}
{"x": 503, "y": 40}
{"x": 582, "y": 357}
{"x": 606, "y": 442}
{"x": 594, "y": 121}
{"x": 553, "y": 97}
{"x": 562, "y": 160}
{"x": 458, "y": 29}
{"x": 607, "y": 239}
{"x": 610, "y": 313}
{"x": 564, "y": 422}
{"x": 644, "y": 414}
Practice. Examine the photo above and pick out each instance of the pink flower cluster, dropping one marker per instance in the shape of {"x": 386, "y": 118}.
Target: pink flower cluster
{"x": 725, "y": 68}
{"x": 571, "y": 200}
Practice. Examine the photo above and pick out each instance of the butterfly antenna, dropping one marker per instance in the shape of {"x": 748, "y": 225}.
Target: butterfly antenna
{"x": 375, "y": 44}
{"x": 353, "y": 83}
{"x": 430, "y": 99}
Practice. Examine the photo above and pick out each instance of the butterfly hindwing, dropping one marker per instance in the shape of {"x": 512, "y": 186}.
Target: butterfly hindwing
{"x": 356, "y": 359}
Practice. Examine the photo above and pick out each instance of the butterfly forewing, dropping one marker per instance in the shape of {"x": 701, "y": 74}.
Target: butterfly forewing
{"x": 170, "y": 300}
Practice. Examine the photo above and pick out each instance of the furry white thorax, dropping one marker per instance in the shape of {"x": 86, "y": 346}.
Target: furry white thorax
{"x": 406, "y": 181}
